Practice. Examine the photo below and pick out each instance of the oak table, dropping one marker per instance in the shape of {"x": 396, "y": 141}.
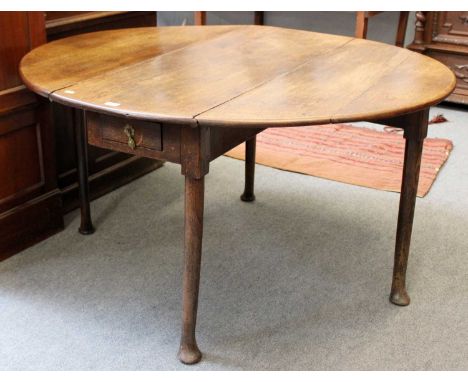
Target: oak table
{"x": 189, "y": 94}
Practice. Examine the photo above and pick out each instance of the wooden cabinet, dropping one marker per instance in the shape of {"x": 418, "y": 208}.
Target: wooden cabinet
{"x": 30, "y": 202}
{"x": 444, "y": 36}
{"x": 38, "y": 176}
{"x": 60, "y": 24}
{"x": 108, "y": 169}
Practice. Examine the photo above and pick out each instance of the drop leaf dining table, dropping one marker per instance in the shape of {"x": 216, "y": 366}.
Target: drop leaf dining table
{"x": 189, "y": 94}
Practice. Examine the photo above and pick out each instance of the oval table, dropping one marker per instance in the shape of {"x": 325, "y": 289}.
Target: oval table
{"x": 189, "y": 94}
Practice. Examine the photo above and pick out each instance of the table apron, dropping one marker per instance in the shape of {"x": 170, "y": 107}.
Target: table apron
{"x": 163, "y": 141}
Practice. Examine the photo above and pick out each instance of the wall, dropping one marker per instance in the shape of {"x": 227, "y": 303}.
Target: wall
{"x": 381, "y": 27}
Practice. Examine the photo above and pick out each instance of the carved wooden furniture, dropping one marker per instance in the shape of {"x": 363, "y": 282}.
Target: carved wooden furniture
{"x": 444, "y": 36}
{"x": 163, "y": 93}
{"x": 362, "y": 19}
{"x": 30, "y": 202}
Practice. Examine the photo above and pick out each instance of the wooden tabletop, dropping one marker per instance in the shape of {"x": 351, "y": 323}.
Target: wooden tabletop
{"x": 235, "y": 75}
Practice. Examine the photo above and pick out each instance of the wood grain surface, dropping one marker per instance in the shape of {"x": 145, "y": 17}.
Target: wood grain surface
{"x": 218, "y": 79}
{"x": 237, "y": 76}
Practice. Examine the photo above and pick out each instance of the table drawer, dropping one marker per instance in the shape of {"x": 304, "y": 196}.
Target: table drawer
{"x": 131, "y": 136}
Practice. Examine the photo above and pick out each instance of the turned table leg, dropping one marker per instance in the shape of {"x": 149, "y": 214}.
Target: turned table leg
{"x": 248, "y": 195}
{"x": 415, "y": 133}
{"x": 81, "y": 145}
{"x": 194, "y": 201}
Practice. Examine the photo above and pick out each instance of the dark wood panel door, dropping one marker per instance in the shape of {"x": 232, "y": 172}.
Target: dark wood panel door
{"x": 14, "y": 44}
{"x": 30, "y": 202}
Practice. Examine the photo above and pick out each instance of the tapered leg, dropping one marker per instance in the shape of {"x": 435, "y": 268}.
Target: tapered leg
{"x": 259, "y": 17}
{"x": 413, "y": 151}
{"x": 200, "y": 18}
{"x": 81, "y": 144}
{"x": 194, "y": 204}
{"x": 248, "y": 195}
{"x": 361, "y": 25}
{"x": 401, "y": 30}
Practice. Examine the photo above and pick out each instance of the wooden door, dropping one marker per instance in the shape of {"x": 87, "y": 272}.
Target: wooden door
{"x": 30, "y": 204}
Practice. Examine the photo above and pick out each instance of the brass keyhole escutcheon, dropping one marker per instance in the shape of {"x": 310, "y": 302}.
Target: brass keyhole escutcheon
{"x": 130, "y": 133}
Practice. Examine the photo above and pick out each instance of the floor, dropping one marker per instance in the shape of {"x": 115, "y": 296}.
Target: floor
{"x": 299, "y": 279}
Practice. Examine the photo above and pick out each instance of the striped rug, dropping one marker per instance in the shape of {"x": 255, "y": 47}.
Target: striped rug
{"x": 348, "y": 154}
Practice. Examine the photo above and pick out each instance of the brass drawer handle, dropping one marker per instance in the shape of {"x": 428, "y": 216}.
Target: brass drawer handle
{"x": 130, "y": 133}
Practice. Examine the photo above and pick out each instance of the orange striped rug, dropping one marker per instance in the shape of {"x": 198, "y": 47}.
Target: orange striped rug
{"x": 348, "y": 154}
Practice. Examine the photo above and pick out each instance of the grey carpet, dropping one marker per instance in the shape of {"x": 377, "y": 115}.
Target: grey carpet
{"x": 297, "y": 280}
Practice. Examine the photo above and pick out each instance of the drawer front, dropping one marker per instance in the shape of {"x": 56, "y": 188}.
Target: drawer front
{"x": 130, "y": 136}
